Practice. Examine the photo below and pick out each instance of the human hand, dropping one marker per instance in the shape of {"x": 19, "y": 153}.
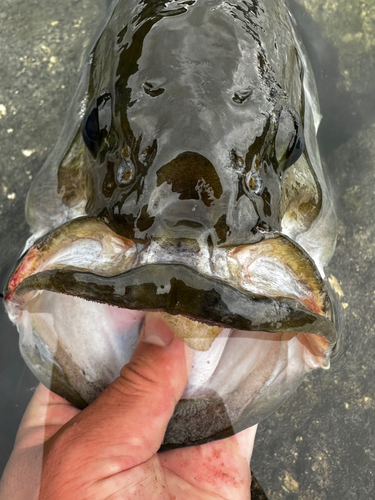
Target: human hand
{"x": 108, "y": 451}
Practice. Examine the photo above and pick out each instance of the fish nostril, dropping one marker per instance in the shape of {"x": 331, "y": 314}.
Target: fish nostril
{"x": 145, "y": 154}
{"x": 241, "y": 96}
{"x": 148, "y": 154}
{"x": 253, "y": 183}
{"x": 151, "y": 90}
{"x": 125, "y": 173}
{"x": 126, "y": 170}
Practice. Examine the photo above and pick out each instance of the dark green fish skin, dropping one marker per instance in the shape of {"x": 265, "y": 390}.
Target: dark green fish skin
{"x": 161, "y": 75}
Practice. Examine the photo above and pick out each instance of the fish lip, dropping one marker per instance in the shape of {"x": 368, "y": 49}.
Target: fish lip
{"x": 154, "y": 267}
{"x": 178, "y": 289}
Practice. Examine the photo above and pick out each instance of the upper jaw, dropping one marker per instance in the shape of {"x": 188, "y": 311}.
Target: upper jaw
{"x": 269, "y": 286}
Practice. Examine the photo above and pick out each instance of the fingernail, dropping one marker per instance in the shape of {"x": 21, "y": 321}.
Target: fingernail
{"x": 156, "y": 331}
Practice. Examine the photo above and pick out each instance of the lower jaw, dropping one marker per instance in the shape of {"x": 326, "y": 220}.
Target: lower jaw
{"x": 242, "y": 378}
{"x": 179, "y": 290}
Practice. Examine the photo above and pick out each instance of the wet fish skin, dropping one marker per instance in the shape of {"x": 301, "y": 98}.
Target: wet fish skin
{"x": 190, "y": 146}
{"x": 229, "y": 72}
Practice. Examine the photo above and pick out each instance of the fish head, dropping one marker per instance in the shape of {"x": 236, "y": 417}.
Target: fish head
{"x": 189, "y": 188}
{"x": 155, "y": 163}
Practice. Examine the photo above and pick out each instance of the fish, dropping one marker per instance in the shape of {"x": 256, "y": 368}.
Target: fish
{"x": 187, "y": 180}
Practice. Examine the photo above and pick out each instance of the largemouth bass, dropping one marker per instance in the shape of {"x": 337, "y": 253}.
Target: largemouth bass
{"x": 187, "y": 180}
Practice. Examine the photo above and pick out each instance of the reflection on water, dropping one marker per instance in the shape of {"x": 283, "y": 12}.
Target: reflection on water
{"x": 303, "y": 450}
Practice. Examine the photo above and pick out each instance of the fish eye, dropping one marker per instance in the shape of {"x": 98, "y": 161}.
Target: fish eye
{"x": 96, "y": 123}
{"x": 289, "y": 142}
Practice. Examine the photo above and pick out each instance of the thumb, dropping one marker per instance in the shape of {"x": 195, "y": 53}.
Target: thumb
{"x": 151, "y": 384}
{"x": 126, "y": 424}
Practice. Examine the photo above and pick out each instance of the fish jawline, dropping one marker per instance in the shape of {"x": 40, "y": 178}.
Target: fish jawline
{"x": 180, "y": 290}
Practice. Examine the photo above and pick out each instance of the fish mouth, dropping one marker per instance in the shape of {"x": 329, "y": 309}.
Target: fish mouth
{"x": 84, "y": 258}
{"x": 179, "y": 290}
{"x": 264, "y": 294}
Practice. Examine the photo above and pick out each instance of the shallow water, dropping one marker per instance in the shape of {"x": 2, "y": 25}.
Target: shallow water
{"x": 319, "y": 444}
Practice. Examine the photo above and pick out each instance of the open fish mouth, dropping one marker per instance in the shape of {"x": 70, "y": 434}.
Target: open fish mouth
{"x": 258, "y": 316}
